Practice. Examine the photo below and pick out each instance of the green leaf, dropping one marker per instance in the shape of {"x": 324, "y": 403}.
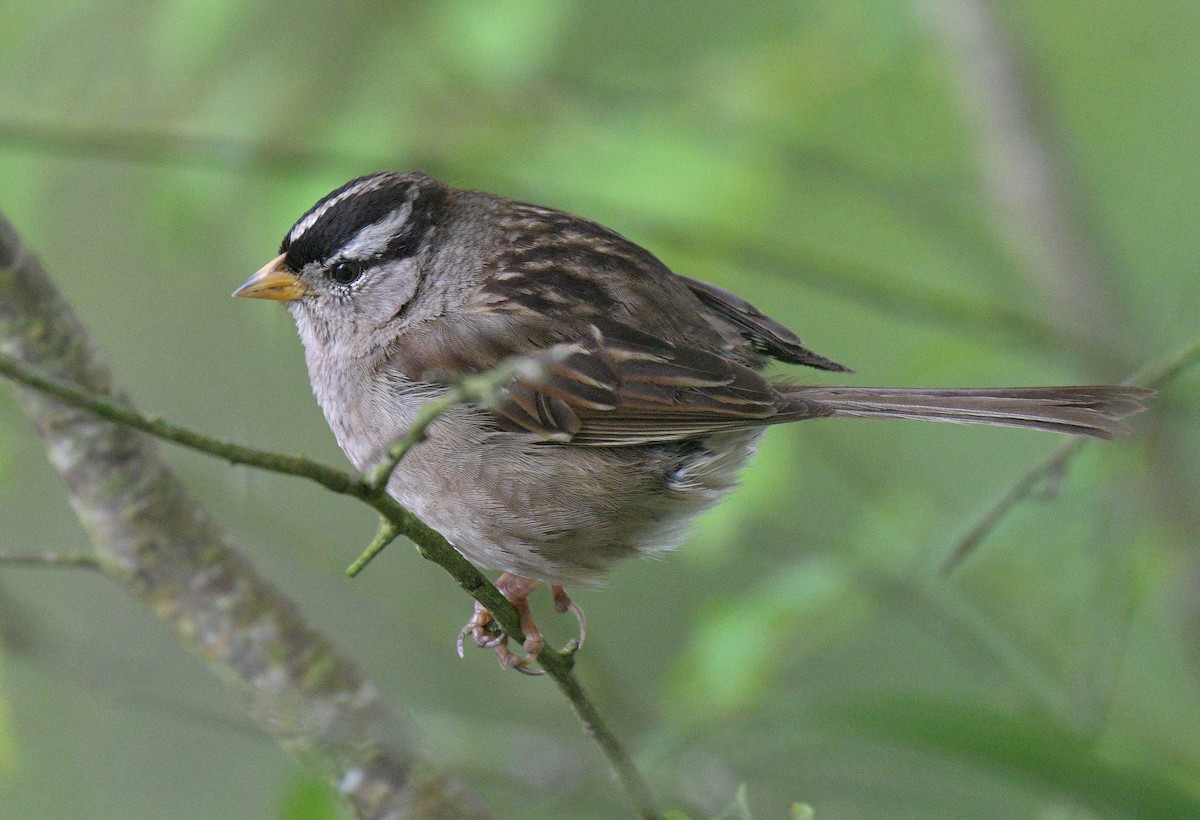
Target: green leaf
{"x": 803, "y": 811}
{"x": 738, "y": 649}
{"x": 307, "y": 798}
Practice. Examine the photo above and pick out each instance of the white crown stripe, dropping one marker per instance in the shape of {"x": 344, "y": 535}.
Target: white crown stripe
{"x": 374, "y": 238}
{"x": 368, "y": 184}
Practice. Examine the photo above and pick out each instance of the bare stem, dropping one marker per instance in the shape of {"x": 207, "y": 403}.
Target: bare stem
{"x": 147, "y": 145}
{"x": 50, "y": 559}
{"x": 388, "y": 533}
{"x": 482, "y": 388}
{"x": 558, "y": 666}
{"x": 1154, "y": 374}
{"x": 106, "y": 408}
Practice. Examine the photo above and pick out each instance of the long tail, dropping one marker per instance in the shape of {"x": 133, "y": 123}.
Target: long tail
{"x": 1087, "y": 411}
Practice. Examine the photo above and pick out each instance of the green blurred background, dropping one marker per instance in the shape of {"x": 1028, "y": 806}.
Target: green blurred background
{"x": 844, "y": 164}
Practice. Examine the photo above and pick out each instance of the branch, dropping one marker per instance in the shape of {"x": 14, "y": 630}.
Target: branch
{"x": 388, "y": 532}
{"x": 841, "y": 276}
{"x": 152, "y": 537}
{"x": 396, "y": 520}
{"x": 1027, "y": 170}
{"x": 482, "y": 388}
{"x": 50, "y": 559}
{"x": 226, "y": 152}
{"x": 1155, "y": 374}
{"x": 429, "y": 543}
{"x": 878, "y": 289}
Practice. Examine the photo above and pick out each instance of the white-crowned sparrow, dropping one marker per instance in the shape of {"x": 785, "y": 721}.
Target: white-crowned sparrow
{"x": 641, "y": 425}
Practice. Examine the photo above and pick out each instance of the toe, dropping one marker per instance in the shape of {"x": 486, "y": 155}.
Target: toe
{"x": 563, "y": 603}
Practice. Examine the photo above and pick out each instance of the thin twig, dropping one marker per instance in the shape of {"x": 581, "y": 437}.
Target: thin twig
{"x": 482, "y": 388}
{"x": 875, "y": 287}
{"x": 147, "y": 145}
{"x": 387, "y": 534}
{"x": 50, "y": 559}
{"x": 333, "y": 479}
{"x": 431, "y": 544}
{"x": 1155, "y": 374}
{"x": 558, "y": 667}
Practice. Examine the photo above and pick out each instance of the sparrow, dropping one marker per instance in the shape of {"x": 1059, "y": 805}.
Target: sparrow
{"x": 648, "y": 401}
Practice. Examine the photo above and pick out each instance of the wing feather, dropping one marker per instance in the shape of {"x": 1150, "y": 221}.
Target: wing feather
{"x": 619, "y": 387}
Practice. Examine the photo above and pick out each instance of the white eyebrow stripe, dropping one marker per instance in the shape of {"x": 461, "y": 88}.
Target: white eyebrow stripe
{"x": 373, "y": 239}
{"x": 368, "y": 184}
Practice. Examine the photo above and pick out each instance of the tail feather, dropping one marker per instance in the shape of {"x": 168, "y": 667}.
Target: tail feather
{"x": 1087, "y": 410}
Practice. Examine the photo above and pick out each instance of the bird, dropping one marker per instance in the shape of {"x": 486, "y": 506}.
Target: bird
{"x": 646, "y": 400}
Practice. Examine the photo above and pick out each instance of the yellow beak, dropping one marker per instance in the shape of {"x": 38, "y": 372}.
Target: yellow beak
{"x": 274, "y": 280}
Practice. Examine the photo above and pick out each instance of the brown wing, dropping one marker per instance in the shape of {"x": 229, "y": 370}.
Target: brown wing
{"x": 767, "y": 336}
{"x": 632, "y": 352}
{"x": 610, "y": 386}
{"x": 618, "y": 386}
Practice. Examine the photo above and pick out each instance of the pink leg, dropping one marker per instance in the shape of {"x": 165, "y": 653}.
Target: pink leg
{"x": 516, "y": 588}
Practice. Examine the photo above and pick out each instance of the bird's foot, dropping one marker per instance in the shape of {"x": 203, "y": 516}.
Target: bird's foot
{"x": 486, "y": 634}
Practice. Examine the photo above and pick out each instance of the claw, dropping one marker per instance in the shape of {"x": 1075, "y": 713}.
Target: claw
{"x": 483, "y": 629}
{"x": 519, "y": 663}
{"x": 563, "y": 603}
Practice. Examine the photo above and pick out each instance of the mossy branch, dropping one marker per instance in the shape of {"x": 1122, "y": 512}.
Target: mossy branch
{"x": 151, "y": 536}
{"x": 396, "y": 521}
{"x": 18, "y": 270}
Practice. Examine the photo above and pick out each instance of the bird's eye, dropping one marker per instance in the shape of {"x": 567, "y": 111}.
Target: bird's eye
{"x": 345, "y": 273}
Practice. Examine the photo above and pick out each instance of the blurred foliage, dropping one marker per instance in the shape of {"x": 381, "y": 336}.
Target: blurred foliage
{"x": 7, "y": 749}
{"x": 308, "y": 799}
{"x": 817, "y": 158}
